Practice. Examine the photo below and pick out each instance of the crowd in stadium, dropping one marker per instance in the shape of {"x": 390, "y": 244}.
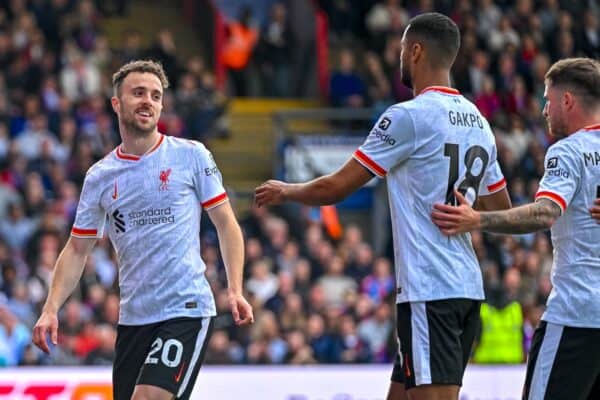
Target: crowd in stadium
{"x": 316, "y": 300}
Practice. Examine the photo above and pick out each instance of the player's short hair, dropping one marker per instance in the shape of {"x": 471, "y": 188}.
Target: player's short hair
{"x": 580, "y": 75}
{"x": 440, "y": 36}
{"x": 148, "y": 66}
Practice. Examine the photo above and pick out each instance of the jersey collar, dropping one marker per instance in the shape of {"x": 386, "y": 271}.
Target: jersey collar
{"x": 441, "y": 89}
{"x": 595, "y": 127}
{"x": 132, "y": 157}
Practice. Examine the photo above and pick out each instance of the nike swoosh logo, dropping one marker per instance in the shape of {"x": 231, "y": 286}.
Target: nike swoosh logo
{"x": 178, "y": 376}
{"x": 115, "y": 194}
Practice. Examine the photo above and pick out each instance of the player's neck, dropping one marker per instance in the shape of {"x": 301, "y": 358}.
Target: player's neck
{"x": 138, "y": 145}
{"x": 430, "y": 78}
{"x": 583, "y": 120}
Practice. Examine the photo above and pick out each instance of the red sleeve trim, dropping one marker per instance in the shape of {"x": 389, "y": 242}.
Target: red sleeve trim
{"x": 498, "y": 185}
{"x": 369, "y": 164}
{"x": 84, "y": 232}
{"x": 214, "y": 201}
{"x": 554, "y": 197}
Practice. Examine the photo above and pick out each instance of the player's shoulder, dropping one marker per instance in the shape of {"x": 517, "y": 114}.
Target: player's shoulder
{"x": 101, "y": 167}
{"x": 397, "y": 112}
{"x": 185, "y": 144}
{"x": 188, "y": 150}
{"x": 568, "y": 144}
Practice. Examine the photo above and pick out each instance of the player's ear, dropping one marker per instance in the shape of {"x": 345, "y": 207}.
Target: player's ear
{"x": 568, "y": 100}
{"x": 416, "y": 52}
{"x": 116, "y": 105}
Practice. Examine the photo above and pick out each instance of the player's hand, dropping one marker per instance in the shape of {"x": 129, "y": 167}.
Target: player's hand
{"x": 595, "y": 210}
{"x": 47, "y": 324}
{"x": 241, "y": 310}
{"x": 455, "y": 219}
{"x": 270, "y": 192}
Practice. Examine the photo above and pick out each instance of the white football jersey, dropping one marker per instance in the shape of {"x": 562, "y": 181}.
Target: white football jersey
{"x": 572, "y": 180}
{"x": 153, "y": 204}
{"x": 427, "y": 147}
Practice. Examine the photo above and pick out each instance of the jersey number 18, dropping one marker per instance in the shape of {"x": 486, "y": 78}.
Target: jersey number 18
{"x": 472, "y": 178}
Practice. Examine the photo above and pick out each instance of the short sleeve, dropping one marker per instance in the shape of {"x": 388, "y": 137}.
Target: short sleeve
{"x": 207, "y": 178}
{"x": 90, "y": 217}
{"x": 390, "y": 142}
{"x": 561, "y": 176}
{"x": 493, "y": 179}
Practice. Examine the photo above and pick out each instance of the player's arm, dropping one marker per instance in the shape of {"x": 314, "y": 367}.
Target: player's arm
{"x": 327, "y": 189}
{"x": 67, "y": 272}
{"x": 231, "y": 243}
{"x": 524, "y": 219}
{"x": 493, "y": 202}
{"x": 595, "y": 209}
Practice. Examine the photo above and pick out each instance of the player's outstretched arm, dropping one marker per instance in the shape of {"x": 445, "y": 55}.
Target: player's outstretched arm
{"x": 67, "y": 272}
{"x": 531, "y": 217}
{"x": 231, "y": 243}
{"x": 327, "y": 189}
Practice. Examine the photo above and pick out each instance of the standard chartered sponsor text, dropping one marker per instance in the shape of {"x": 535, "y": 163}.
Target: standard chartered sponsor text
{"x": 151, "y": 216}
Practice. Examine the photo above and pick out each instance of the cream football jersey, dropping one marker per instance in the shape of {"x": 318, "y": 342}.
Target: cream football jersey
{"x": 153, "y": 204}
{"x": 572, "y": 180}
{"x": 427, "y": 147}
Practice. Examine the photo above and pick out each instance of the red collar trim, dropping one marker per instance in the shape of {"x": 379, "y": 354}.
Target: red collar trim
{"x": 592, "y": 127}
{"x": 441, "y": 89}
{"x": 133, "y": 157}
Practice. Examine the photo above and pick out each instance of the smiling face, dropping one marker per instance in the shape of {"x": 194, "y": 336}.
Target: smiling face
{"x": 138, "y": 103}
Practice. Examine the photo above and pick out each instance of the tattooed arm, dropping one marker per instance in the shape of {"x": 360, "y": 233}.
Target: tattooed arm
{"x": 528, "y": 218}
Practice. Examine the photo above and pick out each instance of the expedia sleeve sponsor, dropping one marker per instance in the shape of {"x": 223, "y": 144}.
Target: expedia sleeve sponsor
{"x": 562, "y": 174}
{"x": 392, "y": 139}
{"x": 207, "y": 177}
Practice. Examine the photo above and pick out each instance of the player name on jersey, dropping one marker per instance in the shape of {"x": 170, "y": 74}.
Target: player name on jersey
{"x": 591, "y": 158}
{"x": 465, "y": 119}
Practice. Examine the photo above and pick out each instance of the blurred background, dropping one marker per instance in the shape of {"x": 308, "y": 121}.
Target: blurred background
{"x": 284, "y": 89}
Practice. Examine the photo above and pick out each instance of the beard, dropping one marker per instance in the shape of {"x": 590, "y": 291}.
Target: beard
{"x": 557, "y": 129}
{"x": 136, "y": 129}
{"x": 405, "y": 76}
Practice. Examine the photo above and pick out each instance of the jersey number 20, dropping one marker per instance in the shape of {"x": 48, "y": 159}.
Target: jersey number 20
{"x": 168, "y": 357}
{"x": 472, "y": 178}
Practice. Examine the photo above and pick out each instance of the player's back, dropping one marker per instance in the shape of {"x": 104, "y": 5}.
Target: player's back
{"x": 572, "y": 179}
{"x": 454, "y": 148}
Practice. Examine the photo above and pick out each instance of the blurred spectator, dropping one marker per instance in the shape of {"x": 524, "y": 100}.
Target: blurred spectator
{"x": 590, "y": 35}
{"x": 164, "y": 50}
{"x": 384, "y": 19}
{"x": 104, "y": 353}
{"x": 381, "y": 283}
{"x": 488, "y": 101}
{"x": 274, "y": 54}
{"x": 335, "y": 283}
{"x": 79, "y": 78}
{"x": 376, "y": 330}
{"x": 501, "y": 338}
{"x": 347, "y": 88}
{"x": 14, "y": 337}
{"x": 262, "y": 283}
{"x": 299, "y": 352}
{"x": 17, "y": 228}
{"x": 237, "y": 52}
